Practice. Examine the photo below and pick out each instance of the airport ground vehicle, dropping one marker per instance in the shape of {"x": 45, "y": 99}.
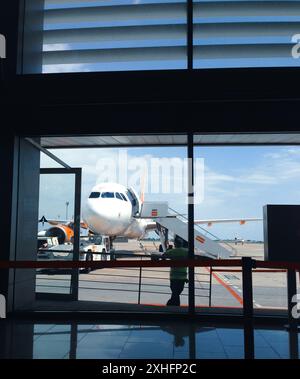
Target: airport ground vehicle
{"x": 92, "y": 248}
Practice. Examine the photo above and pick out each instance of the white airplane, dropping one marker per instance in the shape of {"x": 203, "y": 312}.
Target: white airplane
{"x": 113, "y": 210}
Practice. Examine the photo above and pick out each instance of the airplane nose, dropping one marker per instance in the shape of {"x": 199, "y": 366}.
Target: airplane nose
{"x": 95, "y": 209}
{"x": 101, "y": 216}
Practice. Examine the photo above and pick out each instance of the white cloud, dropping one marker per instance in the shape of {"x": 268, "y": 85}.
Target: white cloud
{"x": 57, "y": 47}
{"x": 257, "y": 178}
{"x": 272, "y": 169}
{"x": 60, "y": 68}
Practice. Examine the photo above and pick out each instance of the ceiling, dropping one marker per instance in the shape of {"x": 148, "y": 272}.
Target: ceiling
{"x": 168, "y": 140}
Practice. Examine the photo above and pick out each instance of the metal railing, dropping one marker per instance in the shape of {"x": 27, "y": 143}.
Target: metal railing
{"x": 138, "y": 286}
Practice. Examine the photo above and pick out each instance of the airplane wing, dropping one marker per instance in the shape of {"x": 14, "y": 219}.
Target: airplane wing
{"x": 241, "y": 221}
{"x": 57, "y": 222}
{"x": 54, "y": 222}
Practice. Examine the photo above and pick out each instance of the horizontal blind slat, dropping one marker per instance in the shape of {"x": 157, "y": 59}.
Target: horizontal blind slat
{"x": 148, "y": 32}
{"x": 114, "y": 55}
{"x": 243, "y": 51}
{"x": 236, "y": 9}
{"x": 112, "y": 14}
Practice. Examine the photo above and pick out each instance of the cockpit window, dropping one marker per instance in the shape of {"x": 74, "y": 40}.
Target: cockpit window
{"x": 118, "y": 196}
{"x": 94, "y": 195}
{"x": 108, "y": 195}
{"x": 123, "y": 196}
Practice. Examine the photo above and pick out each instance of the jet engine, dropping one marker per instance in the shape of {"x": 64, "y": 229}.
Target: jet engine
{"x": 63, "y": 233}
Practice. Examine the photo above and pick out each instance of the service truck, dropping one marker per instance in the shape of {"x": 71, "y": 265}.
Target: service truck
{"x": 91, "y": 248}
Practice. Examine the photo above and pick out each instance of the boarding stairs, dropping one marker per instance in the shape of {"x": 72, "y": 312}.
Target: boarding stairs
{"x": 206, "y": 243}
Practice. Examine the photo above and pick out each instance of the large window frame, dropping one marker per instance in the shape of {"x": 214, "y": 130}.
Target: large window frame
{"x": 74, "y": 280}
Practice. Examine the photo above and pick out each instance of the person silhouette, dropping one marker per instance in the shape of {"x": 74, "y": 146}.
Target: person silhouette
{"x": 178, "y": 275}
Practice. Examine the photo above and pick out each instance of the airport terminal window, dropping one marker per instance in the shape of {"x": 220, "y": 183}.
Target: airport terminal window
{"x": 117, "y": 233}
{"x": 235, "y": 192}
{"x": 124, "y": 35}
{"x": 94, "y": 195}
{"x": 115, "y": 35}
{"x": 245, "y": 33}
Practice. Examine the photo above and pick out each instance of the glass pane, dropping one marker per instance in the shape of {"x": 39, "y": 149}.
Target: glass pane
{"x": 151, "y": 180}
{"x": 148, "y": 180}
{"x": 210, "y": 285}
{"x": 116, "y": 35}
{"x": 56, "y": 234}
{"x": 238, "y": 182}
{"x": 246, "y": 33}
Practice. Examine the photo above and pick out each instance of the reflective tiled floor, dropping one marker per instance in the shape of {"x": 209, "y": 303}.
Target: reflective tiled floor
{"x": 143, "y": 341}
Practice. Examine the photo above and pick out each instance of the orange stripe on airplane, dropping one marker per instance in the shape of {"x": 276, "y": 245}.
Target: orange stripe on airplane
{"x": 200, "y": 239}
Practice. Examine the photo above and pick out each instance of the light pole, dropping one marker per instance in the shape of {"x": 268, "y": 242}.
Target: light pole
{"x": 67, "y": 206}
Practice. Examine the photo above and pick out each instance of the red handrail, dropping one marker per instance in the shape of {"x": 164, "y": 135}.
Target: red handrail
{"x": 117, "y": 264}
{"x": 150, "y": 263}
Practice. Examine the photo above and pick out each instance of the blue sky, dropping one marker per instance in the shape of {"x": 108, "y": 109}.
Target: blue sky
{"x": 238, "y": 182}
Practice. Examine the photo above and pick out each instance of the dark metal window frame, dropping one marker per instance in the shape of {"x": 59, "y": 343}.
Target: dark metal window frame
{"x": 74, "y": 285}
